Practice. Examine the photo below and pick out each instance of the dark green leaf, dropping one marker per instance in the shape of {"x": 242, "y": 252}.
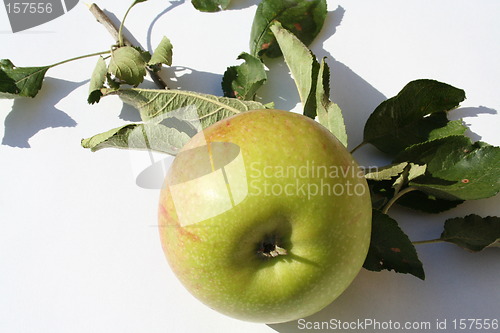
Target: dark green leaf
{"x": 449, "y": 128}
{"x": 391, "y": 249}
{"x": 210, "y": 5}
{"x": 148, "y": 136}
{"x": 163, "y": 53}
{"x": 383, "y": 190}
{"x": 304, "y": 18}
{"x": 427, "y": 203}
{"x": 20, "y": 81}
{"x": 384, "y": 182}
{"x": 434, "y": 150}
{"x": 472, "y": 232}
{"x": 7, "y": 84}
{"x": 97, "y": 81}
{"x": 415, "y": 115}
{"x": 243, "y": 81}
{"x": 457, "y": 169}
{"x": 128, "y": 65}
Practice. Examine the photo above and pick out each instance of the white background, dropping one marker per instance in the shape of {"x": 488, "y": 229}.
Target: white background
{"x": 79, "y": 248}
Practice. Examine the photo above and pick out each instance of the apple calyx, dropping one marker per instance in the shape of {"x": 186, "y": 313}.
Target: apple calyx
{"x": 270, "y": 248}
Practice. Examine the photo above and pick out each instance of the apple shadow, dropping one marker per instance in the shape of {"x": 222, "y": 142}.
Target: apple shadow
{"x": 31, "y": 115}
{"x": 371, "y": 292}
{"x": 350, "y": 301}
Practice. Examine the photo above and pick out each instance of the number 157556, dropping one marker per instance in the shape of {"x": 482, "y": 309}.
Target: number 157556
{"x": 29, "y": 8}
{"x": 477, "y": 324}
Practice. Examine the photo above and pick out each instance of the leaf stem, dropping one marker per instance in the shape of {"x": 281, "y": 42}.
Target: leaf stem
{"x": 120, "y": 30}
{"x": 79, "y": 57}
{"x": 358, "y": 146}
{"x": 396, "y": 197}
{"x": 430, "y": 241}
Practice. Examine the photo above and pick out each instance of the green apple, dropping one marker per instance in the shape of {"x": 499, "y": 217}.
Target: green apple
{"x": 265, "y": 216}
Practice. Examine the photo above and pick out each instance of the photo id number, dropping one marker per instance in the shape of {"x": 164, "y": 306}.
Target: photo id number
{"x": 29, "y": 8}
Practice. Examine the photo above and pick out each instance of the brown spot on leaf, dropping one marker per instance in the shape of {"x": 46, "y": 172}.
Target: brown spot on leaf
{"x": 297, "y": 26}
{"x": 465, "y": 181}
{"x": 395, "y": 249}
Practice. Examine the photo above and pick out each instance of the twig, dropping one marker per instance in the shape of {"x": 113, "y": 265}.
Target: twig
{"x": 102, "y": 18}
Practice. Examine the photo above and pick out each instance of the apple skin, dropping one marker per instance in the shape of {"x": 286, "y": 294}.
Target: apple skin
{"x": 217, "y": 250}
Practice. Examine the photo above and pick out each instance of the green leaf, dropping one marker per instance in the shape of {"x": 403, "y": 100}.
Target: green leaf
{"x": 210, "y": 5}
{"x": 20, "y": 81}
{"x": 391, "y": 249}
{"x": 329, "y": 113}
{"x": 146, "y": 56}
{"x": 472, "y": 232}
{"x": 128, "y": 65}
{"x": 386, "y": 172}
{"x": 437, "y": 150}
{"x": 427, "y": 203}
{"x": 303, "y": 66}
{"x": 148, "y": 136}
{"x": 313, "y": 82}
{"x": 243, "y": 81}
{"x": 97, "y": 81}
{"x": 383, "y": 190}
{"x": 416, "y": 171}
{"x": 456, "y": 168}
{"x": 208, "y": 109}
{"x": 410, "y": 117}
{"x": 112, "y": 83}
{"x": 450, "y": 128}
{"x": 304, "y": 18}
{"x": 386, "y": 181}
{"x": 163, "y": 53}
{"x": 7, "y": 84}
{"x": 410, "y": 172}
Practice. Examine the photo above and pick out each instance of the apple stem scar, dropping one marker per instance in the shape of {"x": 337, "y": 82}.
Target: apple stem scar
{"x": 269, "y": 248}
